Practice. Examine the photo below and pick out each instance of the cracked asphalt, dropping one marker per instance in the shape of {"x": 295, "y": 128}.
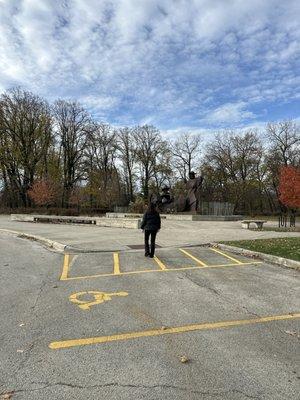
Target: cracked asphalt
{"x": 253, "y": 361}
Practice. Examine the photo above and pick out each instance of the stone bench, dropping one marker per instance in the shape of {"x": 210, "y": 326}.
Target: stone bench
{"x": 258, "y": 222}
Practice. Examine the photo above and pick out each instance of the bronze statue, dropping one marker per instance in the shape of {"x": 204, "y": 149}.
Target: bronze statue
{"x": 188, "y": 200}
{"x": 193, "y": 188}
{"x": 163, "y": 201}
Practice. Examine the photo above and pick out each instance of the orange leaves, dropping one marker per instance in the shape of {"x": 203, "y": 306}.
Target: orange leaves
{"x": 289, "y": 186}
{"x": 43, "y": 192}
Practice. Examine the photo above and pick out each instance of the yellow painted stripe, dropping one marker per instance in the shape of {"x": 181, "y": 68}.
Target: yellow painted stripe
{"x": 64, "y": 274}
{"x": 160, "y": 263}
{"x": 193, "y": 258}
{"x": 226, "y": 255}
{"x": 116, "y": 264}
{"x": 179, "y": 329}
{"x": 163, "y": 270}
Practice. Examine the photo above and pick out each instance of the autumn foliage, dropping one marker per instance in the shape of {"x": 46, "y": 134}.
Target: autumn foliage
{"x": 289, "y": 186}
{"x": 43, "y": 192}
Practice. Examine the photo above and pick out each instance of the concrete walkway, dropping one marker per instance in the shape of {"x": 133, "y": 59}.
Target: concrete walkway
{"x": 172, "y": 234}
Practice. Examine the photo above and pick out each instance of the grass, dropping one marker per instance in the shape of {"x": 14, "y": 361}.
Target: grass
{"x": 281, "y": 247}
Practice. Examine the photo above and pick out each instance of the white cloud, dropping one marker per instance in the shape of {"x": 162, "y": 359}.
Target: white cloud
{"x": 99, "y": 102}
{"x": 233, "y": 113}
{"x": 132, "y": 60}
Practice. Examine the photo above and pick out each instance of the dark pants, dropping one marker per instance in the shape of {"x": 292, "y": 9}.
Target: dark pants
{"x": 153, "y": 236}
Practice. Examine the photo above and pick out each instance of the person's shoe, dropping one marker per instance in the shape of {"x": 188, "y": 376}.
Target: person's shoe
{"x": 151, "y": 256}
{"x": 147, "y": 255}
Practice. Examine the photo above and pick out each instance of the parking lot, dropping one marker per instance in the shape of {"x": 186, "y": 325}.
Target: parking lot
{"x": 191, "y": 323}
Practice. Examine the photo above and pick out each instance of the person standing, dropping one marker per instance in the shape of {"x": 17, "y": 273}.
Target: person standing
{"x": 150, "y": 225}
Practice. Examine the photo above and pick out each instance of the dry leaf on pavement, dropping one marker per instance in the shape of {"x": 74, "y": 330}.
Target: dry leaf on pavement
{"x": 6, "y": 396}
{"x": 293, "y": 333}
{"x": 184, "y": 359}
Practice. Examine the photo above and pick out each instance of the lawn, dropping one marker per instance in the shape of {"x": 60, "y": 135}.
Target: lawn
{"x": 282, "y": 247}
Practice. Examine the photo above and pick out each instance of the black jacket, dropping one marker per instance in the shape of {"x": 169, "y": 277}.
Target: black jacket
{"x": 151, "y": 221}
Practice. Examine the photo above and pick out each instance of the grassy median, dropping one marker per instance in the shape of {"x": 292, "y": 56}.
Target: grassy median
{"x": 281, "y": 247}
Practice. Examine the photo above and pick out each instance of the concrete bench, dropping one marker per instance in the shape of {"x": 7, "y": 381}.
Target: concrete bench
{"x": 179, "y": 217}
{"x": 55, "y": 219}
{"x": 129, "y": 223}
{"x": 259, "y": 223}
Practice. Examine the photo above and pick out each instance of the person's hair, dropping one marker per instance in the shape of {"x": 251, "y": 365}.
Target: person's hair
{"x": 152, "y": 208}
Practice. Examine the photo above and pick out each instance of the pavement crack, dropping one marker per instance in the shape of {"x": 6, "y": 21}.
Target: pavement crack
{"x": 211, "y": 393}
{"x": 221, "y": 295}
{"x": 251, "y": 312}
{"x": 202, "y": 285}
{"x": 38, "y": 295}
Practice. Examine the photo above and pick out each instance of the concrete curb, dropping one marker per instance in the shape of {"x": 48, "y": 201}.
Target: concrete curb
{"x": 283, "y": 262}
{"x": 80, "y": 250}
{"x": 62, "y": 248}
{"x": 51, "y": 244}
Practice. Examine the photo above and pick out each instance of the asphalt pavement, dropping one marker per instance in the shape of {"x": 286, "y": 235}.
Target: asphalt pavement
{"x": 192, "y": 323}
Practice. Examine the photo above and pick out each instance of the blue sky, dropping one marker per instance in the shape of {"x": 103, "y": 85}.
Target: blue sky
{"x": 182, "y": 65}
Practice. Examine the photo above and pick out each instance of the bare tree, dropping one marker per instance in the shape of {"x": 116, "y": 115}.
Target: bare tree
{"x": 127, "y": 156}
{"x": 163, "y": 171}
{"x": 149, "y": 145}
{"x": 101, "y": 155}
{"x": 26, "y": 136}
{"x": 232, "y": 160}
{"x": 186, "y": 150}
{"x": 284, "y": 140}
{"x": 72, "y": 125}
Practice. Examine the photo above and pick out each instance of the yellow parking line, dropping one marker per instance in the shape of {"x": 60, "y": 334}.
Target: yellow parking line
{"x": 162, "y": 270}
{"x": 226, "y": 255}
{"x": 116, "y": 264}
{"x": 179, "y": 329}
{"x": 194, "y": 258}
{"x": 159, "y": 263}
{"x": 64, "y": 274}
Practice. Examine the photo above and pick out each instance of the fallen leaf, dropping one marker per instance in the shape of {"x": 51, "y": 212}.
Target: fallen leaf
{"x": 184, "y": 359}
{"x": 7, "y": 395}
{"x": 293, "y": 333}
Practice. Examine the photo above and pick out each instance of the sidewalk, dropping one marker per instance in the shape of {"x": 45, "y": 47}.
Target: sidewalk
{"x": 172, "y": 234}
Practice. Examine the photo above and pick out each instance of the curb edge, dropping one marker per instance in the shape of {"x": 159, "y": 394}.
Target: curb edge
{"x": 51, "y": 244}
{"x": 283, "y": 262}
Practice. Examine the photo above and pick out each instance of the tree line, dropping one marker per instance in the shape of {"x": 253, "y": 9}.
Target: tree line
{"x": 57, "y": 155}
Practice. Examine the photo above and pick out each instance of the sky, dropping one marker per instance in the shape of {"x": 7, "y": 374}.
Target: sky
{"x": 181, "y": 65}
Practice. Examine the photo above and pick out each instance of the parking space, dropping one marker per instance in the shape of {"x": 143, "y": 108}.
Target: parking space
{"x": 88, "y": 266}
{"x": 137, "y": 297}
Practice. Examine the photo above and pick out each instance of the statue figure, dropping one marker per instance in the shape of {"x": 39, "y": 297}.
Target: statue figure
{"x": 188, "y": 200}
{"x": 163, "y": 201}
{"x": 165, "y": 197}
{"x": 193, "y": 187}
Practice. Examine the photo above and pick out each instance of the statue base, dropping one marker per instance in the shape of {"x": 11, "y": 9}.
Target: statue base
{"x": 188, "y": 216}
